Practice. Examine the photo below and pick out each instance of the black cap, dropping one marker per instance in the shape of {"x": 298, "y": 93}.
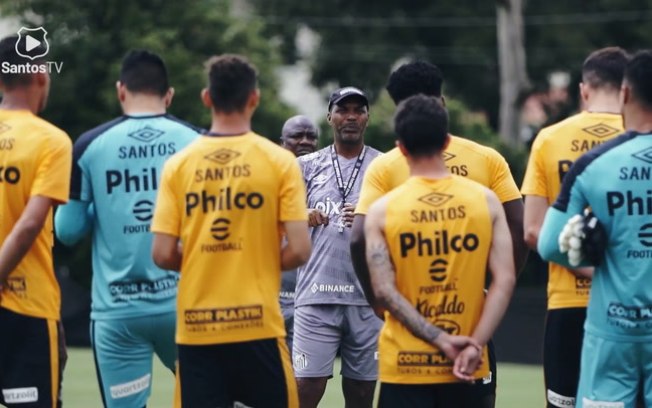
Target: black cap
{"x": 345, "y": 92}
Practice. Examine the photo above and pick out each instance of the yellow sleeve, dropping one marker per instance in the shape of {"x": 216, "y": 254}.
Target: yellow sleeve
{"x": 534, "y": 182}
{"x": 52, "y": 177}
{"x": 374, "y": 186}
{"x": 167, "y": 213}
{"x": 502, "y": 181}
{"x": 292, "y": 194}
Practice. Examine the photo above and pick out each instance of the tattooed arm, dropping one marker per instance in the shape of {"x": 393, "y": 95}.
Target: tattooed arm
{"x": 383, "y": 282}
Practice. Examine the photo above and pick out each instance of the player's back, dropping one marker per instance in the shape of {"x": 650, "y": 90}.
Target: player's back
{"x": 119, "y": 166}
{"x": 28, "y": 144}
{"x": 229, "y": 194}
{"x": 615, "y": 181}
{"x": 553, "y": 152}
{"x": 463, "y": 157}
{"x": 439, "y": 234}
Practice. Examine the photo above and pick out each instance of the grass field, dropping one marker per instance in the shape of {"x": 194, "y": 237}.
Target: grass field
{"x": 518, "y": 385}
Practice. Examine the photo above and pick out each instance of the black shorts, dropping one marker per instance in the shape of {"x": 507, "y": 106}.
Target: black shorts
{"x": 454, "y": 395}
{"x": 255, "y": 373}
{"x": 562, "y": 349}
{"x": 30, "y": 367}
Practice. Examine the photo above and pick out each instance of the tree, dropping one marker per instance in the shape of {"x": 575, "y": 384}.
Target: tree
{"x": 91, "y": 36}
{"x": 359, "y": 43}
{"x": 513, "y": 74}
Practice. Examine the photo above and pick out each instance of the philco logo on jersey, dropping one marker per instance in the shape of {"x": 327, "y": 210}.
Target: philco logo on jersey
{"x": 226, "y": 199}
{"x": 440, "y": 243}
{"x": 146, "y": 134}
{"x": 635, "y": 205}
{"x": 145, "y": 181}
{"x": 10, "y": 175}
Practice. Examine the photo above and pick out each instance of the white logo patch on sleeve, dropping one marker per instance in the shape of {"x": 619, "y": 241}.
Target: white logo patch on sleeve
{"x": 131, "y": 387}
{"x": 20, "y": 395}
{"x": 587, "y": 403}
{"x": 560, "y": 400}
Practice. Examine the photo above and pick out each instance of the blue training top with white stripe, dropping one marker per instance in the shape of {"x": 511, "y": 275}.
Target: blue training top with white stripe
{"x": 615, "y": 180}
{"x": 117, "y": 168}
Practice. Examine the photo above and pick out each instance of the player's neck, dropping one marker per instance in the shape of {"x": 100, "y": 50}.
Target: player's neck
{"x": 432, "y": 167}
{"x": 348, "y": 151}
{"x": 18, "y": 101}
{"x": 144, "y": 104}
{"x": 638, "y": 121}
{"x": 603, "y": 102}
{"x": 230, "y": 124}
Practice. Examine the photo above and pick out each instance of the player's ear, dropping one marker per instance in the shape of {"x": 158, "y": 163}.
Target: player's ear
{"x": 447, "y": 141}
{"x": 169, "y": 95}
{"x": 402, "y": 148}
{"x": 254, "y": 99}
{"x": 584, "y": 94}
{"x": 120, "y": 91}
{"x": 443, "y": 101}
{"x": 206, "y": 98}
{"x": 625, "y": 95}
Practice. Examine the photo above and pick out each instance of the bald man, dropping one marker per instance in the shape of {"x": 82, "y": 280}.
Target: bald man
{"x": 299, "y": 135}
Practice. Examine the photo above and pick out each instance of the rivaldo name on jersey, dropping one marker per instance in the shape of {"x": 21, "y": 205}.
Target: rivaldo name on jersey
{"x": 439, "y": 235}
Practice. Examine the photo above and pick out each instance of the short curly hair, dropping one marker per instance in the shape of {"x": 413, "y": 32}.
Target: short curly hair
{"x": 413, "y": 78}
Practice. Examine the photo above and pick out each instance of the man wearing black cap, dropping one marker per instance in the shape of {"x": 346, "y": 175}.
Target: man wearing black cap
{"x": 331, "y": 310}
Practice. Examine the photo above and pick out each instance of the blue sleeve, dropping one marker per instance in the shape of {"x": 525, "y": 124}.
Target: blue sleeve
{"x": 73, "y": 221}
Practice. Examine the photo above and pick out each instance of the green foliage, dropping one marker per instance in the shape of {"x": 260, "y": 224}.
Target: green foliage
{"x": 360, "y": 43}
{"x": 91, "y": 36}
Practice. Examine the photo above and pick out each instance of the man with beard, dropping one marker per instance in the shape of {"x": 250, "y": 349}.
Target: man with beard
{"x": 331, "y": 310}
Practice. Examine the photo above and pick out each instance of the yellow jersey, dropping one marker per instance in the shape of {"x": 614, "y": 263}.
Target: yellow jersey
{"x": 553, "y": 152}
{"x": 439, "y": 235}
{"x": 35, "y": 160}
{"x": 463, "y": 158}
{"x": 225, "y": 198}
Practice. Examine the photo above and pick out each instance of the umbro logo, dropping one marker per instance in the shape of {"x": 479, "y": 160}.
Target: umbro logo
{"x": 146, "y": 134}
{"x": 435, "y": 199}
{"x": 601, "y": 130}
{"x": 222, "y": 156}
{"x": 645, "y": 155}
{"x": 448, "y": 156}
{"x": 4, "y": 127}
